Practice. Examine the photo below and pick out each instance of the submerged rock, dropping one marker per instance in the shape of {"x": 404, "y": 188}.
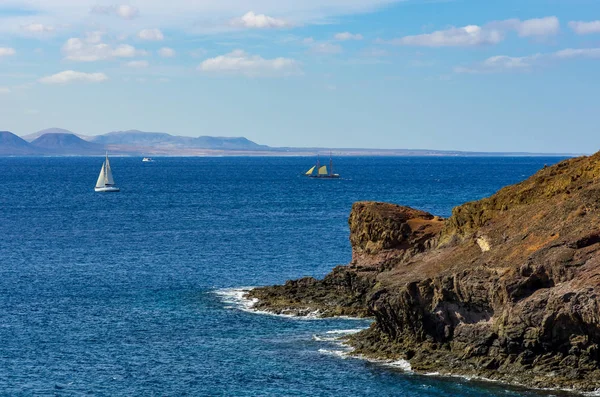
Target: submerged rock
{"x": 508, "y": 288}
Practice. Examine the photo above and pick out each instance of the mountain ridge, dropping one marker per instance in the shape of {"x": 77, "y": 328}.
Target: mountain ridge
{"x": 66, "y": 144}
{"x": 13, "y": 145}
{"x": 54, "y": 130}
{"x": 142, "y": 143}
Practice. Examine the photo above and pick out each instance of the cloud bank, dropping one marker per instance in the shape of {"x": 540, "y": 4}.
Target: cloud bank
{"x": 582, "y": 28}
{"x": 93, "y": 50}
{"x": 241, "y": 63}
{"x": 474, "y": 35}
{"x": 253, "y": 21}
{"x": 71, "y": 76}
{"x": 121, "y": 11}
{"x": 503, "y": 63}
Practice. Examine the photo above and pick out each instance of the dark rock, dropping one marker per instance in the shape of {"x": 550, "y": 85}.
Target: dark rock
{"x": 508, "y": 288}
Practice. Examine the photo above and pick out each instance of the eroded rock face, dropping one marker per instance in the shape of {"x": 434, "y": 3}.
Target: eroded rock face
{"x": 508, "y": 288}
{"x": 382, "y": 235}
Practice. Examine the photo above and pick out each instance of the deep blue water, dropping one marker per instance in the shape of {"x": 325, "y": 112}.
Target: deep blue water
{"x": 114, "y": 294}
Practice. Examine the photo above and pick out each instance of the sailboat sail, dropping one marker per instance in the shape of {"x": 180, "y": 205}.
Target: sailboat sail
{"x": 105, "y": 182}
{"x": 102, "y": 178}
{"x": 109, "y": 177}
{"x": 309, "y": 172}
{"x": 323, "y": 170}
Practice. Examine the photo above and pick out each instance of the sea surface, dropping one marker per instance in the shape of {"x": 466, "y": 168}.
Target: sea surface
{"x": 134, "y": 294}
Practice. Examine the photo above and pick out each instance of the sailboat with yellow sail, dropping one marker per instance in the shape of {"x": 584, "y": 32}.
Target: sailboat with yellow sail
{"x": 322, "y": 172}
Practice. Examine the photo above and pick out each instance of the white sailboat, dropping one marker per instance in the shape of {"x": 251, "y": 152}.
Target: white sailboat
{"x": 105, "y": 182}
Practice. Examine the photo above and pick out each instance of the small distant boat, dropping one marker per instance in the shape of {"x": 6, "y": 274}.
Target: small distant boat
{"x": 322, "y": 171}
{"x": 106, "y": 183}
{"x": 147, "y": 160}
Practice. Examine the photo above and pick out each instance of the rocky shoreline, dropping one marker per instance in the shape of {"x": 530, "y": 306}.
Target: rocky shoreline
{"x": 506, "y": 289}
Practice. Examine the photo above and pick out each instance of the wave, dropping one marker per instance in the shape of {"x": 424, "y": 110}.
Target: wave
{"x": 345, "y": 331}
{"x": 400, "y": 364}
{"x": 336, "y": 335}
{"x": 338, "y": 353}
{"x": 235, "y": 299}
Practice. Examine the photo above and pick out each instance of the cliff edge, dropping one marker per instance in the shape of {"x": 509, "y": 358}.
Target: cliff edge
{"x": 507, "y": 288}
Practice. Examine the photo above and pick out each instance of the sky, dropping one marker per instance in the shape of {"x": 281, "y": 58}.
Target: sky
{"x": 477, "y": 75}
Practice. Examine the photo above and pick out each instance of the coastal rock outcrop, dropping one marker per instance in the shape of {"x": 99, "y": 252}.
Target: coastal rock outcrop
{"x": 507, "y": 288}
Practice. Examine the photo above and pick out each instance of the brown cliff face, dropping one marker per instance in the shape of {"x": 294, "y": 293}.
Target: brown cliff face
{"x": 508, "y": 288}
{"x": 382, "y": 236}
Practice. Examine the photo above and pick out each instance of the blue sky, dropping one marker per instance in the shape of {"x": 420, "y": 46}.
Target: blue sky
{"x": 468, "y": 75}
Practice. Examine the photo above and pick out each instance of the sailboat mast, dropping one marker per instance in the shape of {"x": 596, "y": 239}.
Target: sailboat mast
{"x": 330, "y": 165}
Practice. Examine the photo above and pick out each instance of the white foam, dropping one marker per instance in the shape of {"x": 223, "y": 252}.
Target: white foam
{"x": 347, "y": 350}
{"x": 401, "y": 364}
{"x": 345, "y": 331}
{"x": 516, "y": 384}
{"x": 325, "y": 338}
{"x": 235, "y": 299}
{"x": 338, "y": 353}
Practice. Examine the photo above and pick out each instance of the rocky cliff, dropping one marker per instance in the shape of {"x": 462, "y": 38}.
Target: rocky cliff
{"x": 507, "y": 288}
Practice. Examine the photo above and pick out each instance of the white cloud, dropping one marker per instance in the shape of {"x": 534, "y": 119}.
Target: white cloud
{"x": 94, "y": 37}
{"x": 166, "y": 52}
{"x": 122, "y": 11}
{"x": 570, "y": 53}
{"x": 325, "y": 48}
{"x": 501, "y": 63}
{"x": 471, "y": 35}
{"x": 581, "y": 27}
{"x": 7, "y": 51}
{"x": 71, "y": 76}
{"x": 4, "y": 90}
{"x": 182, "y": 15}
{"x": 151, "y": 35}
{"x": 126, "y": 51}
{"x": 127, "y": 12}
{"x": 240, "y": 62}
{"x": 38, "y": 28}
{"x": 548, "y": 26}
{"x": 505, "y": 63}
{"x": 474, "y": 35}
{"x": 251, "y": 20}
{"x": 137, "y": 64}
{"x": 348, "y": 36}
{"x": 76, "y": 49}
{"x": 322, "y": 47}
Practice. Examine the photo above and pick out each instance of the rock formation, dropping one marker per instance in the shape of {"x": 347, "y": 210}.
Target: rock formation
{"x": 507, "y": 288}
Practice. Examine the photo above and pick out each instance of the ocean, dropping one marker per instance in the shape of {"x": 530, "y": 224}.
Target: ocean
{"x": 136, "y": 293}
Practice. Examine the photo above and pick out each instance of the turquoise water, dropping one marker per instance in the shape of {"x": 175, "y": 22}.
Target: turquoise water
{"x": 123, "y": 294}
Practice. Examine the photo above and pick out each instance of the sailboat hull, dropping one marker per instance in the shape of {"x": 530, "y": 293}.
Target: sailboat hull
{"x": 333, "y": 176}
{"x": 107, "y": 189}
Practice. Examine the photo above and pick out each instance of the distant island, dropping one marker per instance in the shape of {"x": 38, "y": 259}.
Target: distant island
{"x": 61, "y": 142}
